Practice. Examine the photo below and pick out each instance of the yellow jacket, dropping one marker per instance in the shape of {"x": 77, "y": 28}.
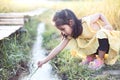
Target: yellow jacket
{"x": 87, "y": 42}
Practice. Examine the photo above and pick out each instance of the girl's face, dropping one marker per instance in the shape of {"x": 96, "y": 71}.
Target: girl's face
{"x": 65, "y": 29}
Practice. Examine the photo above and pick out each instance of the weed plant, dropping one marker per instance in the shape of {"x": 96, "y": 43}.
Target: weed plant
{"x": 16, "y": 48}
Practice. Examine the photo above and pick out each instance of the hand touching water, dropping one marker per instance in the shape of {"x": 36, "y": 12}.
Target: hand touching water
{"x": 40, "y": 63}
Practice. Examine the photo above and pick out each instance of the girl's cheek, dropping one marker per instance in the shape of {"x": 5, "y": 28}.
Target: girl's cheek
{"x": 71, "y": 31}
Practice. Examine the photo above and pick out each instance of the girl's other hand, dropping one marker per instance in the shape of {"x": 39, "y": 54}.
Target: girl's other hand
{"x": 108, "y": 27}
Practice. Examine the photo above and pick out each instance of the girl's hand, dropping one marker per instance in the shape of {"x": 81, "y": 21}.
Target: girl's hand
{"x": 108, "y": 27}
{"x": 40, "y": 63}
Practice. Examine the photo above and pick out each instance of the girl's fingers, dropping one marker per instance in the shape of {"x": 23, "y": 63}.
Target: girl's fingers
{"x": 39, "y": 64}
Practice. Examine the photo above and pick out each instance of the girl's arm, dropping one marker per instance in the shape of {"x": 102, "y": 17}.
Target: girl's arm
{"x": 54, "y": 52}
{"x": 98, "y": 16}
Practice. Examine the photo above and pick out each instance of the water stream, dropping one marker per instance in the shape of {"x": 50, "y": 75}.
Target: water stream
{"x": 38, "y": 53}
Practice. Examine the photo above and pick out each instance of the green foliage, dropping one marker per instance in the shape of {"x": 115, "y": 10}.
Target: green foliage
{"x": 12, "y": 51}
{"x": 16, "y": 48}
{"x": 50, "y": 36}
{"x": 49, "y": 41}
{"x": 68, "y": 67}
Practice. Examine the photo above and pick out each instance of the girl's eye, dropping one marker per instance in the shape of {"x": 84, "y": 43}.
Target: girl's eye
{"x": 62, "y": 29}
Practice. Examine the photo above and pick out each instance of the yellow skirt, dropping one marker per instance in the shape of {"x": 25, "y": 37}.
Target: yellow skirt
{"x": 81, "y": 47}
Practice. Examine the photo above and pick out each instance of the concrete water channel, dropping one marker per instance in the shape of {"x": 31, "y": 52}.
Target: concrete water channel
{"x": 38, "y": 53}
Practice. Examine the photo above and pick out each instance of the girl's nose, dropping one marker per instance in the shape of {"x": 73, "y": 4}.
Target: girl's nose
{"x": 63, "y": 32}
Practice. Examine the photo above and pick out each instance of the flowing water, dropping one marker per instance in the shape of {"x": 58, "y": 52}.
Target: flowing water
{"x": 38, "y": 53}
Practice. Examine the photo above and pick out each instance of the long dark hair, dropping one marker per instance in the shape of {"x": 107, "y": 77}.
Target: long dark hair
{"x": 62, "y": 17}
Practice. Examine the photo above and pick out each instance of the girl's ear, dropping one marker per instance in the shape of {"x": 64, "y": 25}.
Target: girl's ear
{"x": 71, "y": 22}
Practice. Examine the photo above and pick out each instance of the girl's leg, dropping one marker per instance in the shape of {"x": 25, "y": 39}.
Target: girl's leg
{"x": 101, "y": 54}
{"x": 102, "y": 50}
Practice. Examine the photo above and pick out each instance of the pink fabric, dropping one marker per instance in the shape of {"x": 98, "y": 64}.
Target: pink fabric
{"x": 96, "y": 64}
{"x": 87, "y": 60}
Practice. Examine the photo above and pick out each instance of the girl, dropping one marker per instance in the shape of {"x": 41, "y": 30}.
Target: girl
{"x": 89, "y": 38}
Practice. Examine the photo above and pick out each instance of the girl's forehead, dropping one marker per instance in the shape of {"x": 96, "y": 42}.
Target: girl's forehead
{"x": 61, "y": 27}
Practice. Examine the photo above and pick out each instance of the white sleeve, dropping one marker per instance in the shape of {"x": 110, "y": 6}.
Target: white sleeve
{"x": 86, "y": 19}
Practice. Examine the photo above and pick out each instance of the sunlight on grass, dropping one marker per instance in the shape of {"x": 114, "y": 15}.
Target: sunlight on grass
{"x": 25, "y": 3}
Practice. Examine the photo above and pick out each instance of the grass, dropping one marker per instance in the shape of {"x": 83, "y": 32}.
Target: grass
{"x": 16, "y": 48}
{"x": 68, "y": 67}
{"x": 9, "y": 6}
{"x": 12, "y": 51}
